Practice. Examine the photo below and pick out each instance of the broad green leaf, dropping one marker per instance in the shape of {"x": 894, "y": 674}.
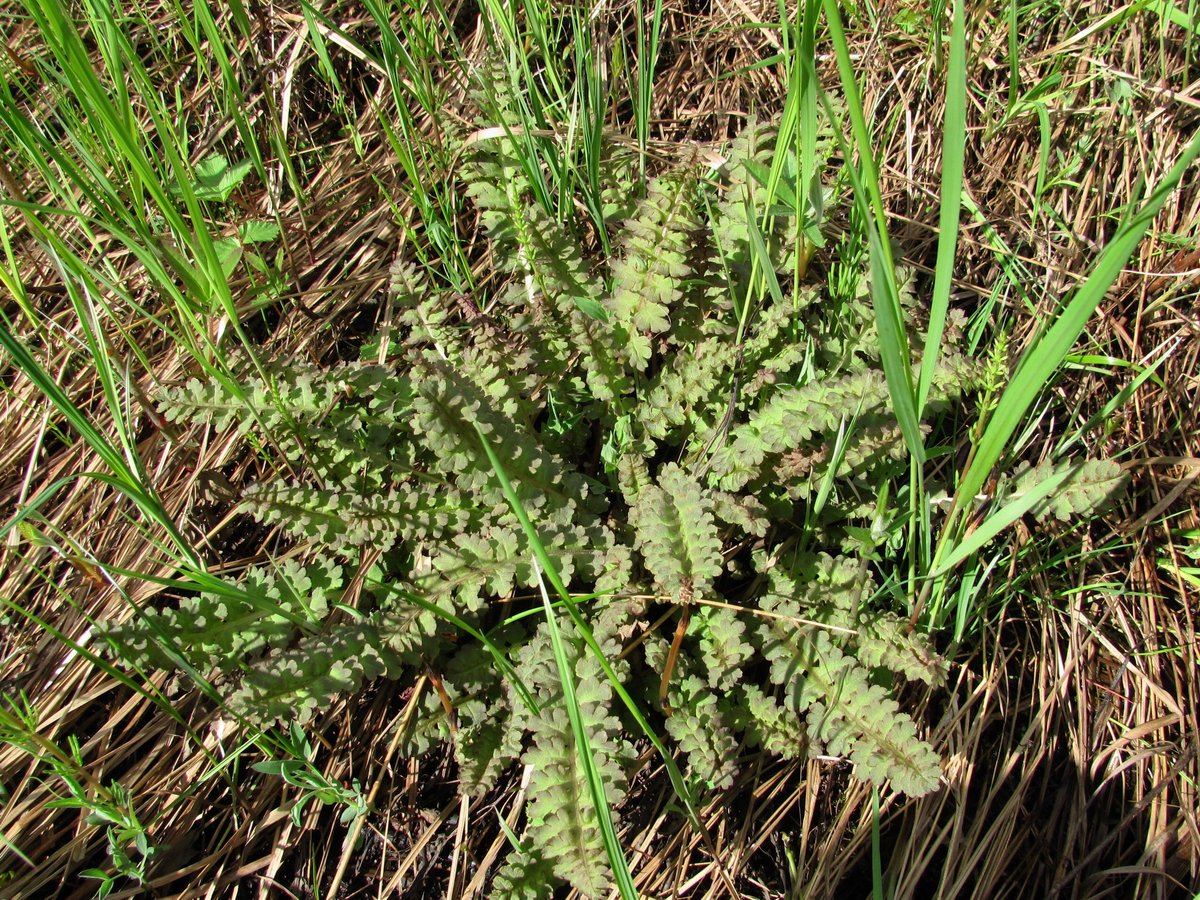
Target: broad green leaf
{"x": 593, "y": 308}
{"x": 258, "y": 231}
{"x": 214, "y": 178}
{"x": 229, "y": 254}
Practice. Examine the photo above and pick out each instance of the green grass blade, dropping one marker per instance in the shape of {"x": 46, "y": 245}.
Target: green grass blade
{"x": 126, "y": 479}
{"x": 1001, "y": 519}
{"x": 647, "y": 61}
{"x": 522, "y": 690}
{"x": 893, "y": 344}
{"x": 1123, "y": 396}
{"x": 1044, "y": 355}
{"x": 807, "y": 107}
{"x": 954, "y": 137}
{"x": 612, "y": 845}
{"x": 885, "y": 293}
{"x": 762, "y": 267}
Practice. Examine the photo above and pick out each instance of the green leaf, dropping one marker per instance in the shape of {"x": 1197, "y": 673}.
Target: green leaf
{"x": 229, "y": 254}
{"x": 1064, "y": 489}
{"x": 954, "y": 142}
{"x": 1048, "y": 350}
{"x": 612, "y": 844}
{"x": 783, "y": 189}
{"x": 258, "y": 231}
{"x": 885, "y": 294}
{"x": 215, "y": 179}
{"x": 593, "y": 308}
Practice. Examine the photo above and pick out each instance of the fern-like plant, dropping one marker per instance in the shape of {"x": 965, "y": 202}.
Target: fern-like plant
{"x": 667, "y": 430}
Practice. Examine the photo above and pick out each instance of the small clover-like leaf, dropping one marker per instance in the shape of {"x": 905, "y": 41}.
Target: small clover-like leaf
{"x": 215, "y": 178}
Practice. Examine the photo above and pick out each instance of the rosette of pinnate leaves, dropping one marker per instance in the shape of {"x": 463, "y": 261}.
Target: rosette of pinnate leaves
{"x": 666, "y": 429}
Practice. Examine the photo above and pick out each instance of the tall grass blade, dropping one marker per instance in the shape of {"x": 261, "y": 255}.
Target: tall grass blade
{"x": 126, "y": 479}
{"x": 954, "y": 137}
{"x": 1001, "y": 519}
{"x": 647, "y": 61}
{"x": 1047, "y": 351}
{"x": 612, "y": 845}
{"x": 885, "y": 293}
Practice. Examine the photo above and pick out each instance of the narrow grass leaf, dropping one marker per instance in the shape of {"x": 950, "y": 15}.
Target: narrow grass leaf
{"x": 647, "y": 61}
{"x": 126, "y": 480}
{"x": 1002, "y": 518}
{"x": 612, "y": 845}
{"x": 1047, "y": 352}
{"x": 893, "y": 345}
{"x": 762, "y": 259}
{"x": 885, "y": 294}
{"x": 682, "y": 790}
{"x": 954, "y": 138}
{"x": 467, "y": 628}
{"x": 1123, "y": 396}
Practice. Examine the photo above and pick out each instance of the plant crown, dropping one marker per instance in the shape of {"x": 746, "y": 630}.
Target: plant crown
{"x": 687, "y": 448}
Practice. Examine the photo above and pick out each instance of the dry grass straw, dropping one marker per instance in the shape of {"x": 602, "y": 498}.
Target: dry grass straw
{"x": 1070, "y": 730}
